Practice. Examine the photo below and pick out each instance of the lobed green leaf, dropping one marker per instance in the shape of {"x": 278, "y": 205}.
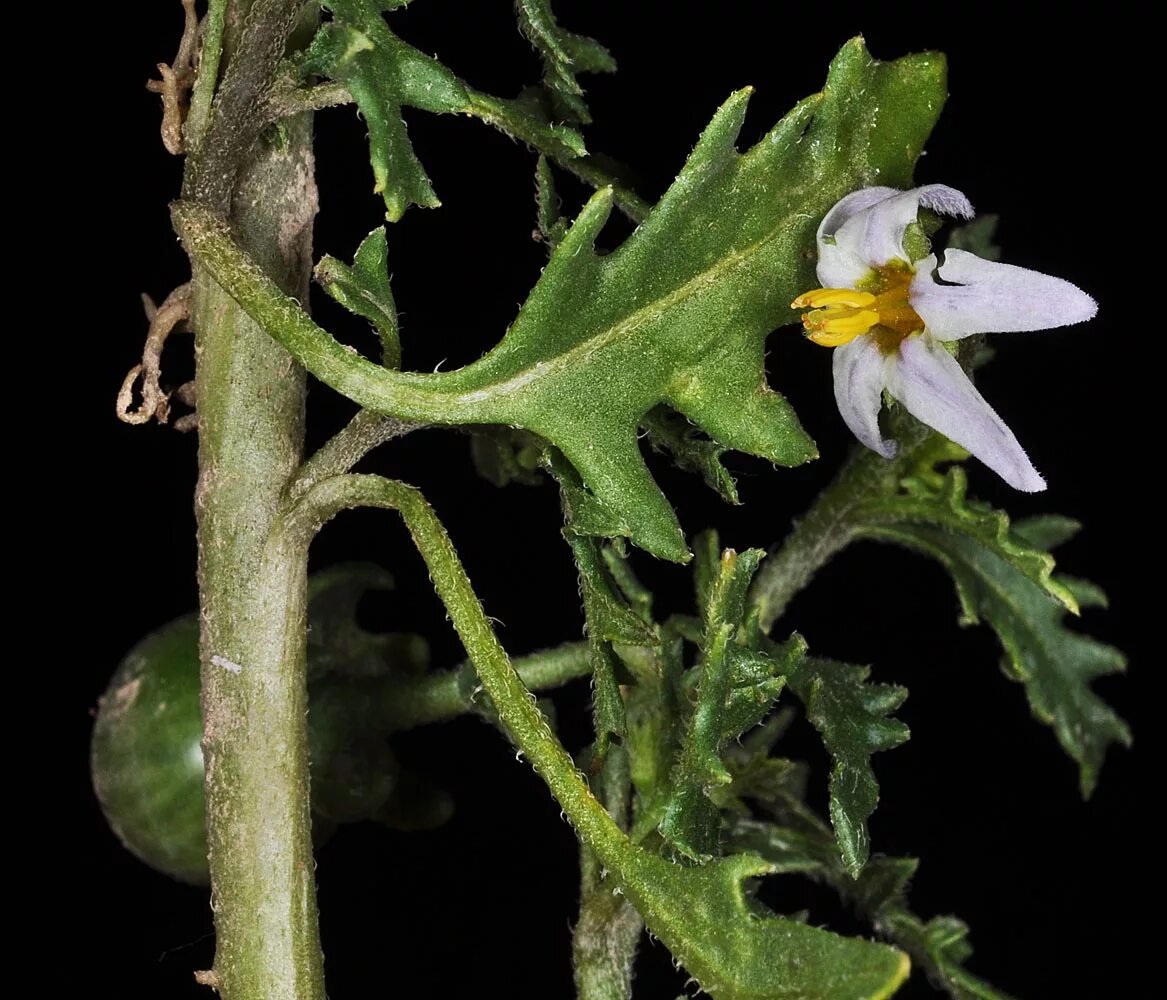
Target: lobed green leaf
{"x": 1055, "y": 664}
{"x": 851, "y": 716}
{"x": 384, "y": 74}
{"x": 564, "y": 54}
{"x": 364, "y": 289}
{"x": 677, "y": 315}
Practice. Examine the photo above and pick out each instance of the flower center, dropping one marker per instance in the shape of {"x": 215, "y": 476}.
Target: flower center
{"x": 881, "y": 308}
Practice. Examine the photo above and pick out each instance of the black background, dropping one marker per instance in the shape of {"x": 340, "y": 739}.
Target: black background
{"x": 1036, "y": 129}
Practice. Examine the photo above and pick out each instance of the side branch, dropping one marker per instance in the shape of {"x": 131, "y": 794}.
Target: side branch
{"x": 286, "y": 98}
{"x": 512, "y": 700}
{"x": 366, "y": 431}
{"x": 396, "y": 704}
{"x": 828, "y": 526}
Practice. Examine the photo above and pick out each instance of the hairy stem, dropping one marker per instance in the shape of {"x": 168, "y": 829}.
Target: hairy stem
{"x": 605, "y": 938}
{"x": 395, "y": 704}
{"x": 512, "y": 700}
{"x": 206, "y": 75}
{"x": 828, "y": 527}
{"x": 366, "y": 431}
{"x": 410, "y": 396}
{"x": 252, "y": 594}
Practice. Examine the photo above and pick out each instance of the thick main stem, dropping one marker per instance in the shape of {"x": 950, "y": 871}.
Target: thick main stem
{"x": 251, "y": 432}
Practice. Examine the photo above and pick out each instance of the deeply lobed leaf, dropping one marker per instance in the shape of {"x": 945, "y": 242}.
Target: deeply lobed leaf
{"x": 851, "y": 716}
{"x": 1003, "y": 576}
{"x": 678, "y": 314}
{"x": 384, "y": 74}
{"x": 364, "y": 289}
{"x": 564, "y": 54}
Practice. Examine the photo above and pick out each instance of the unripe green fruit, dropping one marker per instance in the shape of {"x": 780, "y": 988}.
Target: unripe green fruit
{"x": 147, "y": 763}
{"x": 146, "y": 759}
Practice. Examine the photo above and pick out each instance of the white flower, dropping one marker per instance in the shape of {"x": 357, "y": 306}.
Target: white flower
{"x": 889, "y": 319}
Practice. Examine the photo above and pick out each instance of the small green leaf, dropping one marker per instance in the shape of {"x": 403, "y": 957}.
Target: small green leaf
{"x": 609, "y": 618}
{"x": 364, "y": 289}
{"x": 690, "y": 450}
{"x": 1046, "y": 531}
{"x": 564, "y": 54}
{"x": 800, "y": 843}
{"x": 384, "y": 74}
{"x": 1055, "y": 664}
{"x": 1003, "y": 578}
{"x": 735, "y": 686}
{"x": 736, "y": 950}
{"x": 851, "y": 716}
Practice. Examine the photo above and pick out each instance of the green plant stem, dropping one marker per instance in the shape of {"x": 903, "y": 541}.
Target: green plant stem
{"x": 828, "y": 527}
{"x": 237, "y": 118}
{"x": 253, "y": 596}
{"x": 207, "y": 75}
{"x": 685, "y": 907}
{"x": 395, "y": 704}
{"x": 605, "y": 938}
{"x": 512, "y": 700}
{"x": 366, "y": 431}
{"x": 410, "y": 396}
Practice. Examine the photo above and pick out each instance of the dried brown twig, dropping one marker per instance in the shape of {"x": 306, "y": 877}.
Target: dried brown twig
{"x": 155, "y": 403}
{"x": 176, "y": 81}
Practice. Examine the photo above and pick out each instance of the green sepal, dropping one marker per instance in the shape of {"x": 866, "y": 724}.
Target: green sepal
{"x": 364, "y": 289}
{"x": 564, "y": 54}
{"x": 338, "y": 645}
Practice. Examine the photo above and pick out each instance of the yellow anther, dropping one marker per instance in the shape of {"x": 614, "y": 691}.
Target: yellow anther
{"x": 839, "y": 315}
{"x": 833, "y": 297}
{"x": 824, "y": 339}
{"x": 827, "y": 326}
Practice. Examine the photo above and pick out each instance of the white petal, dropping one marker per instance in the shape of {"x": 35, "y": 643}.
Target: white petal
{"x": 875, "y": 234}
{"x": 931, "y": 384}
{"x": 840, "y": 266}
{"x": 859, "y": 374}
{"x": 990, "y": 297}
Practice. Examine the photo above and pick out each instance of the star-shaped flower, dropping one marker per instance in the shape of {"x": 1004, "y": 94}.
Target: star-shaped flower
{"x": 890, "y": 317}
